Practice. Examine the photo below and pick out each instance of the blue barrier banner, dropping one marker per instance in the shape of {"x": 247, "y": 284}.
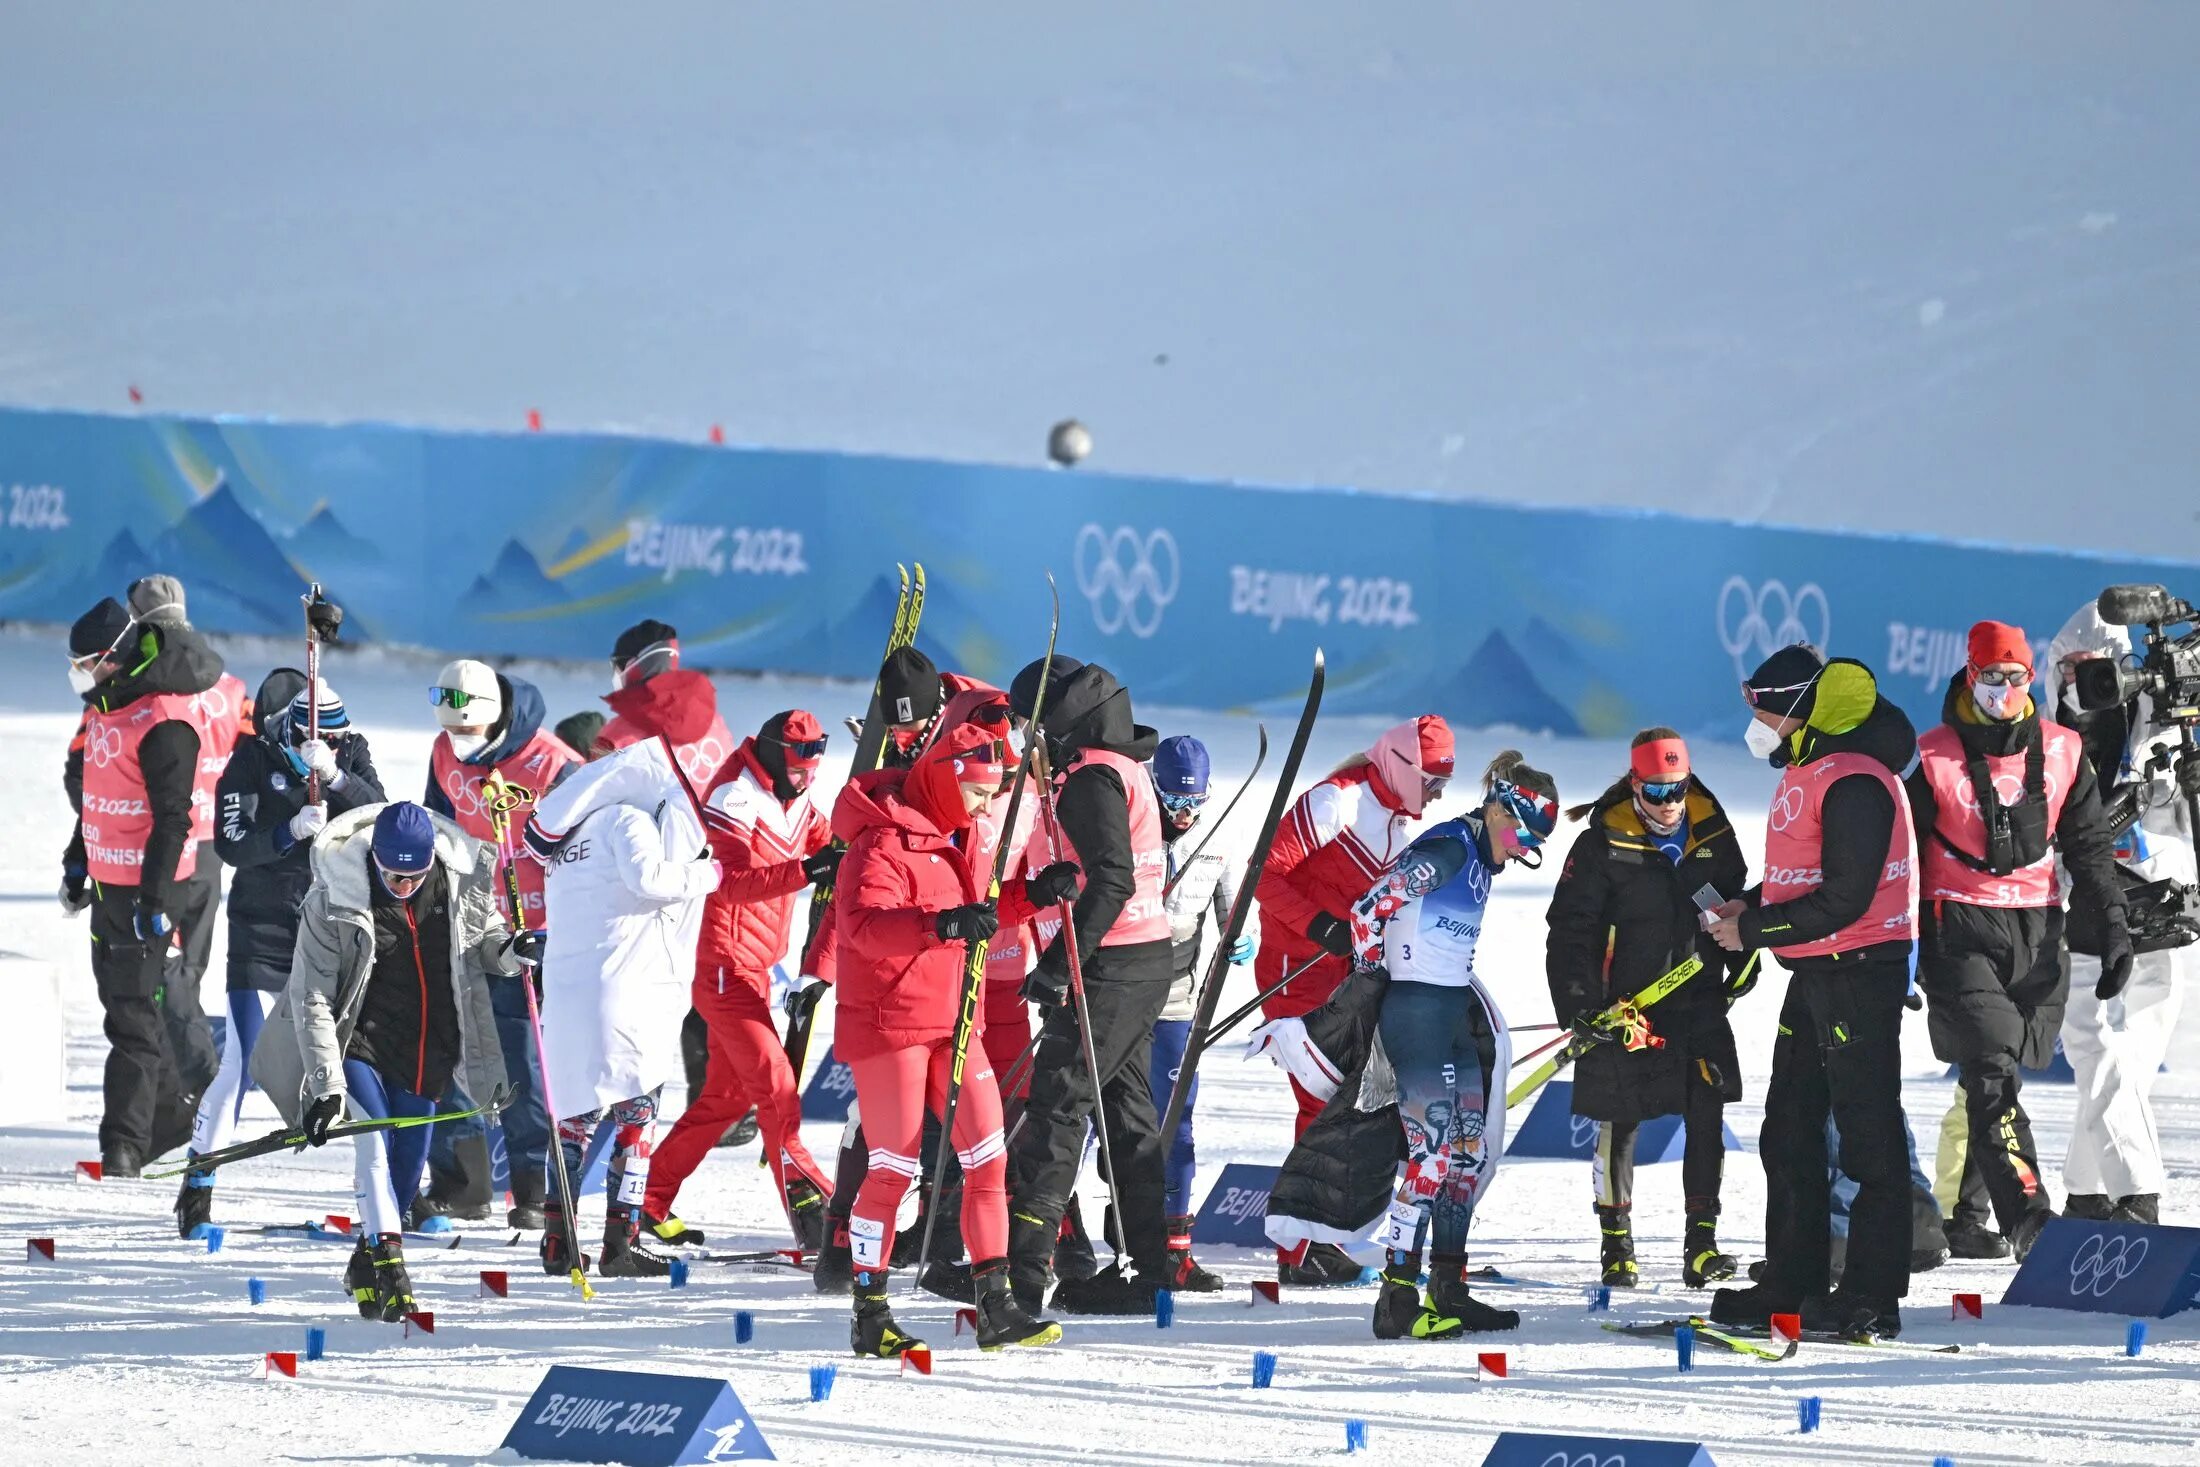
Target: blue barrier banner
{"x": 1533, "y": 1449}
{"x": 831, "y": 1090}
{"x": 2126, "y": 1269}
{"x": 1203, "y": 595}
{"x": 582, "y": 1415}
{"x": 1553, "y": 1130}
{"x": 1235, "y": 1214}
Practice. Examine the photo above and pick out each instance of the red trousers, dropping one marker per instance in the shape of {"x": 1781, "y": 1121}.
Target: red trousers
{"x": 1007, "y": 1033}
{"x": 748, "y": 1067}
{"x": 895, "y": 1089}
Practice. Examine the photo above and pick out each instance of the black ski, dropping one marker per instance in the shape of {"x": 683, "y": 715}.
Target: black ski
{"x": 1218, "y": 967}
{"x": 1761, "y": 1332}
{"x": 323, "y": 1233}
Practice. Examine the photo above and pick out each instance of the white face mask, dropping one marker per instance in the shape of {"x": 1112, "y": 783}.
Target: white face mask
{"x": 1762, "y": 739}
{"x": 81, "y": 679}
{"x": 1997, "y": 702}
{"x": 466, "y": 745}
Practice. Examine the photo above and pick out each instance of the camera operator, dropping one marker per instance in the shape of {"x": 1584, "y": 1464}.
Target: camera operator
{"x": 2116, "y": 1045}
{"x": 1999, "y": 791}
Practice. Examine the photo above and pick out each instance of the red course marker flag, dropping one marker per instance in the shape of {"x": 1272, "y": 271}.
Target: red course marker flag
{"x": 966, "y": 1316}
{"x": 424, "y": 1321}
{"x": 39, "y": 1248}
{"x": 1787, "y": 1328}
{"x": 918, "y": 1359}
{"x": 90, "y": 1171}
{"x": 1966, "y": 1306}
{"x": 534, "y": 420}
{"x": 495, "y": 1281}
{"x": 1265, "y": 1291}
{"x": 280, "y": 1362}
{"x": 336, "y": 1222}
{"x": 1491, "y": 1362}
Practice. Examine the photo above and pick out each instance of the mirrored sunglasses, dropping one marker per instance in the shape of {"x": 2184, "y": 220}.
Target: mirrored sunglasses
{"x": 454, "y": 698}
{"x": 1663, "y": 791}
{"x": 1178, "y": 804}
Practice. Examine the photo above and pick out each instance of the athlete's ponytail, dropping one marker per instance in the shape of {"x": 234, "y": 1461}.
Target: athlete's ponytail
{"x": 1513, "y": 767}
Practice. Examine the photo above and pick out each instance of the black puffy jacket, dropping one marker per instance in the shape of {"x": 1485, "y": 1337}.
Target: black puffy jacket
{"x": 259, "y": 792}
{"x": 1622, "y": 916}
{"x": 1341, "y": 1173}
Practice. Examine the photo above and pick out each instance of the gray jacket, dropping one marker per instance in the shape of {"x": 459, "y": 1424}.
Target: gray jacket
{"x": 300, "y": 1054}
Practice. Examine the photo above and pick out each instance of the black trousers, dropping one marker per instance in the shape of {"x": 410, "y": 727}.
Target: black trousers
{"x": 198, "y": 906}
{"x": 1043, "y": 1162}
{"x": 1840, "y": 1052}
{"x": 1703, "y": 1163}
{"x": 144, "y": 1099}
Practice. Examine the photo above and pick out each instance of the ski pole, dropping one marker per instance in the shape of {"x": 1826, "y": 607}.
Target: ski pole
{"x": 1238, "y": 1015}
{"x": 313, "y": 687}
{"x": 500, "y": 798}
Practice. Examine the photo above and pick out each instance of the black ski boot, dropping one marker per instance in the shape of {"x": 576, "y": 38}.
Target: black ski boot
{"x": 1031, "y": 1243}
{"x": 1110, "y": 1291}
{"x": 873, "y": 1333}
{"x": 1618, "y": 1258}
{"x": 195, "y": 1204}
{"x": 1702, "y": 1263}
{"x": 1185, "y": 1274}
{"x": 560, "y": 1251}
{"x": 393, "y": 1290}
{"x": 428, "y": 1206}
{"x": 2089, "y": 1206}
{"x": 1002, "y": 1321}
{"x": 2028, "y": 1230}
{"x": 2139, "y": 1207}
{"x": 805, "y": 1214}
{"x": 1754, "y": 1305}
{"x": 836, "y": 1261}
{"x": 1853, "y": 1317}
{"x": 1074, "y": 1259}
{"x": 625, "y": 1255}
{"x": 1969, "y": 1238}
{"x": 949, "y": 1280}
{"x": 1452, "y": 1309}
{"x": 359, "y": 1280}
{"x": 1398, "y": 1308}
{"x": 526, "y": 1212}
{"x": 121, "y": 1161}
{"x": 1322, "y": 1266}
{"x": 671, "y": 1232}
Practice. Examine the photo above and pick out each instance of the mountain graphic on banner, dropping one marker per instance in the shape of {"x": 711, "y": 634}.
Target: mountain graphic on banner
{"x": 1600, "y": 709}
{"x": 949, "y": 634}
{"x": 238, "y": 578}
{"x": 1497, "y": 686}
{"x": 322, "y": 545}
{"x": 515, "y": 582}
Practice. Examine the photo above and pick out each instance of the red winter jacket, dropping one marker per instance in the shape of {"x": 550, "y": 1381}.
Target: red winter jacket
{"x": 761, "y": 843}
{"x": 898, "y": 984}
{"x": 1339, "y": 839}
{"x": 683, "y": 706}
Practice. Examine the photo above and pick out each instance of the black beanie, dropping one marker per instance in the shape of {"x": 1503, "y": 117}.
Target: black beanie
{"x": 1786, "y": 683}
{"x": 908, "y": 686}
{"x": 639, "y": 638}
{"x": 99, "y": 629}
{"x": 1023, "y": 690}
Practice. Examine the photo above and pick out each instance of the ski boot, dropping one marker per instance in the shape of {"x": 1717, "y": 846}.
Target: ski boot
{"x": 1969, "y": 1238}
{"x": 359, "y": 1280}
{"x": 671, "y": 1232}
{"x": 625, "y": 1255}
{"x": 1618, "y": 1259}
{"x": 1701, "y": 1261}
{"x": 2139, "y": 1207}
{"x": 560, "y": 1250}
{"x": 1031, "y": 1243}
{"x": 1452, "y": 1309}
{"x": 1853, "y": 1317}
{"x": 1003, "y": 1322}
{"x": 2028, "y": 1230}
{"x": 1074, "y": 1259}
{"x": 1754, "y": 1305}
{"x": 1321, "y": 1266}
{"x": 1185, "y": 1274}
{"x": 1110, "y": 1291}
{"x": 195, "y": 1204}
{"x": 433, "y": 1214}
{"x": 2090, "y": 1206}
{"x": 120, "y": 1161}
{"x": 872, "y": 1332}
{"x": 526, "y": 1212}
{"x": 393, "y": 1290}
{"x": 836, "y": 1263}
{"x": 949, "y": 1280}
{"x": 1398, "y": 1310}
{"x": 805, "y": 1214}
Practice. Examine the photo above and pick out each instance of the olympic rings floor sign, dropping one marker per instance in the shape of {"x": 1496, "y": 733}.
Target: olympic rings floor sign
{"x": 2124, "y": 1269}
{"x": 1533, "y": 1449}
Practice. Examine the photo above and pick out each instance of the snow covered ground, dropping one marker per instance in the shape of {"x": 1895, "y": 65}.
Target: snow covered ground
{"x": 133, "y": 1345}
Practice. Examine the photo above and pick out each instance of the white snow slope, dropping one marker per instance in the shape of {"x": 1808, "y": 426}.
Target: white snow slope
{"x": 133, "y": 1345}
{"x": 1878, "y": 264}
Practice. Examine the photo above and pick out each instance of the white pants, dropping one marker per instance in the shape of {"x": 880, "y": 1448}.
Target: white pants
{"x": 2116, "y": 1049}
{"x": 223, "y": 1101}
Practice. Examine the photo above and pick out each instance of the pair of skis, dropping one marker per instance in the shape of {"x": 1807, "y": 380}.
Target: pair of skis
{"x": 1620, "y": 1019}
{"x": 1759, "y": 1342}
{"x": 870, "y": 754}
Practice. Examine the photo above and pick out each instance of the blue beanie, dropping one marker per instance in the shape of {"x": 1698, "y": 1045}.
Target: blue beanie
{"x": 1180, "y": 766}
{"x": 404, "y": 838}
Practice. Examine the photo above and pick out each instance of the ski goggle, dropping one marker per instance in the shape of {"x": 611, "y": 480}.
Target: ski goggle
{"x": 401, "y": 883}
{"x": 455, "y": 698}
{"x": 811, "y": 750}
{"x": 1178, "y": 804}
{"x": 1996, "y": 677}
{"x": 1662, "y": 791}
{"x": 1535, "y": 816}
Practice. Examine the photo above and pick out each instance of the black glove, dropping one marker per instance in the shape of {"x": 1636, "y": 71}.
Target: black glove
{"x": 2116, "y": 958}
{"x": 325, "y": 618}
{"x": 1052, "y": 884}
{"x": 1332, "y": 934}
{"x": 822, "y": 866}
{"x": 973, "y": 923}
{"x": 527, "y": 947}
{"x": 75, "y": 894}
{"x": 1914, "y": 1001}
{"x": 1743, "y": 978}
{"x": 320, "y": 1115}
{"x": 1047, "y": 986}
{"x": 1586, "y": 1029}
{"x": 149, "y": 922}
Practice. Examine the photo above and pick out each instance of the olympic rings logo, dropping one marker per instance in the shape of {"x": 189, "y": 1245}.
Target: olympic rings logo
{"x": 1563, "y": 1458}
{"x": 102, "y": 745}
{"x": 1787, "y": 809}
{"x": 2008, "y": 789}
{"x": 1757, "y": 621}
{"x": 702, "y": 757}
{"x": 1129, "y": 579}
{"x": 2102, "y": 1262}
{"x": 464, "y": 793}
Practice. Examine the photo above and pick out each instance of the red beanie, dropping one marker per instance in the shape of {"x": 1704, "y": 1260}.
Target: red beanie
{"x": 1436, "y": 746}
{"x": 1998, "y": 641}
{"x": 1660, "y": 761}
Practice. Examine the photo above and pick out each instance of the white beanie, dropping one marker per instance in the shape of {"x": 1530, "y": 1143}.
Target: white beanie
{"x": 477, "y": 683}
